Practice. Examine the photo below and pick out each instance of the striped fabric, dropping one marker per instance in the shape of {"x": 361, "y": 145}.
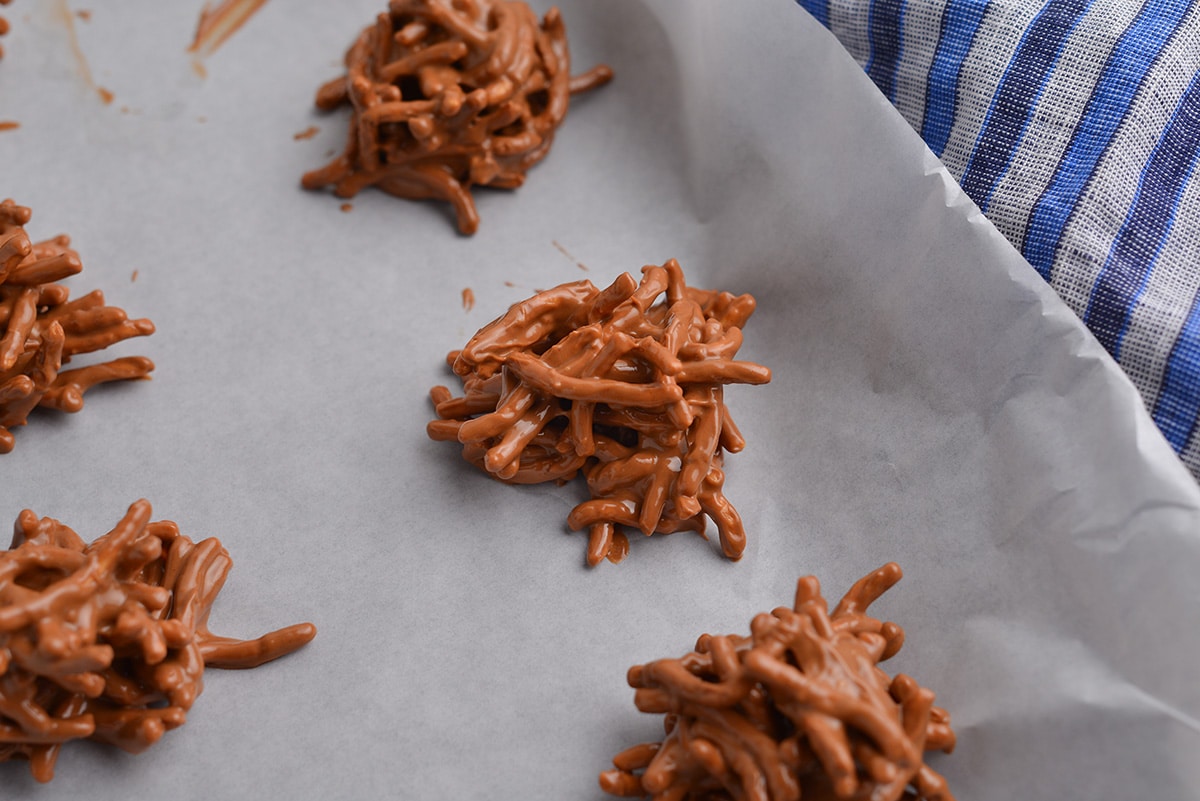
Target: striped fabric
{"x": 1075, "y": 126}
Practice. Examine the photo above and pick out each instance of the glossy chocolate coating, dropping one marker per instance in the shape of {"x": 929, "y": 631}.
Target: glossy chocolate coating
{"x": 42, "y": 330}
{"x": 109, "y": 641}
{"x": 799, "y": 710}
{"x": 619, "y": 386}
{"x": 450, "y": 93}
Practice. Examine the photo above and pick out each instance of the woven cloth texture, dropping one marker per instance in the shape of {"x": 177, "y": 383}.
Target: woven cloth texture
{"x": 1075, "y": 126}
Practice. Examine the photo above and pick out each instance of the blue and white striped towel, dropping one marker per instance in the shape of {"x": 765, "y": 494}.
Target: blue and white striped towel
{"x": 1075, "y": 126}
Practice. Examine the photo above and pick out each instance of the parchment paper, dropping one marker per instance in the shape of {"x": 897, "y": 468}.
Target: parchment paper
{"x": 933, "y": 403}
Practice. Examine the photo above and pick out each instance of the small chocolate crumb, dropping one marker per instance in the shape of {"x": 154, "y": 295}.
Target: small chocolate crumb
{"x": 9, "y": 125}
{"x": 84, "y": 14}
{"x": 64, "y": 15}
{"x": 133, "y": 276}
{"x": 307, "y": 133}
{"x": 347, "y": 207}
{"x": 468, "y": 299}
{"x": 4, "y": 26}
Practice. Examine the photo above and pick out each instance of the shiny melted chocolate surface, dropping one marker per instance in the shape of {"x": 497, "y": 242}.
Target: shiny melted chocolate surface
{"x": 797, "y": 710}
{"x": 624, "y": 385}
{"x": 40, "y": 329}
{"x": 109, "y": 641}
{"x": 446, "y": 95}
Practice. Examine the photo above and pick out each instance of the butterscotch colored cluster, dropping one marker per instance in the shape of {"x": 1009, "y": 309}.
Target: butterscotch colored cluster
{"x": 446, "y": 94}
{"x": 797, "y": 711}
{"x": 42, "y": 329}
{"x": 625, "y": 385}
{"x": 109, "y": 641}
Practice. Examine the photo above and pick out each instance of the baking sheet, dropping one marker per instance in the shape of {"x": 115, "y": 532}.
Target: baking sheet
{"x": 933, "y": 403}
